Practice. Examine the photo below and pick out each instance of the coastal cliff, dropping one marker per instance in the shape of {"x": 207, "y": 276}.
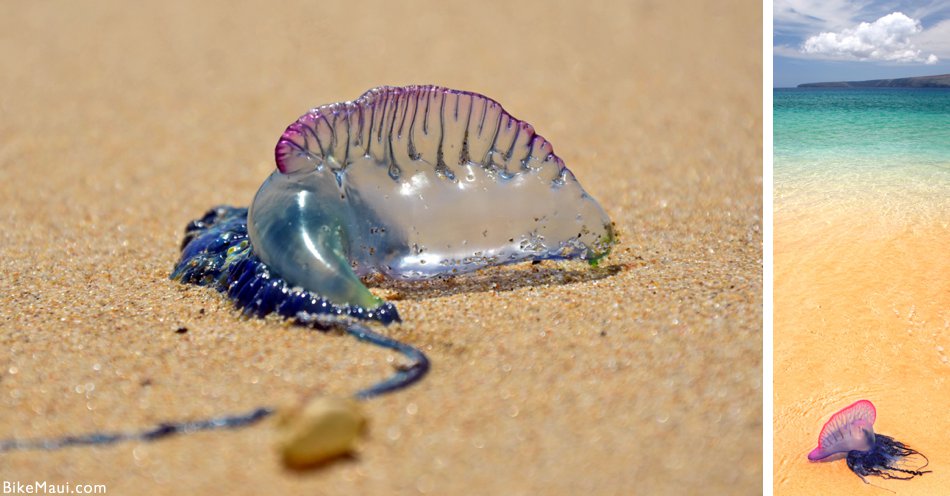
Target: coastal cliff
{"x": 939, "y": 81}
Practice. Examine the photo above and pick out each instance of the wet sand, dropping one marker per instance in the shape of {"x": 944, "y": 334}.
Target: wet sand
{"x": 120, "y": 125}
{"x": 862, "y": 311}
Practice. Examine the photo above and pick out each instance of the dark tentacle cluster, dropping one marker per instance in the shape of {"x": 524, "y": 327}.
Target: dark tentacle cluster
{"x": 216, "y": 252}
{"x": 884, "y": 458}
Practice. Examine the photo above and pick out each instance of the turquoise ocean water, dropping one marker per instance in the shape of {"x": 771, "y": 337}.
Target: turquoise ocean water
{"x": 847, "y": 144}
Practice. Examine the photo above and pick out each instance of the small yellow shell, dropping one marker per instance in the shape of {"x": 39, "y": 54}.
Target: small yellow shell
{"x": 318, "y": 431}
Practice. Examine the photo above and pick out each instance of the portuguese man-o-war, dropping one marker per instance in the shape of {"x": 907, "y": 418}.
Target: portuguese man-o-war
{"x": 850, "y": 434}
{"x": 412, "y": 183}
{"x": 403, "y": 183}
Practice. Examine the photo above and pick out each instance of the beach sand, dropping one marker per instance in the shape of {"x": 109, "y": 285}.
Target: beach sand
{"x": 862, "y": 311}
{"x": 122, "y": 124}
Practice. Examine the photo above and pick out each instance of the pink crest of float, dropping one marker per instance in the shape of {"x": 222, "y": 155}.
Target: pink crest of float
{"x": 849, "y": 429}
{"x": 438, "y": 125}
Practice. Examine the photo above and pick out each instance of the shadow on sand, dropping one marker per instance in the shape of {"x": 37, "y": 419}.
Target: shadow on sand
{"x": 498, "y": 279}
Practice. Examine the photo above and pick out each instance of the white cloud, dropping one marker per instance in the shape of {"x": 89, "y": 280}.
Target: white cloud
{"x": 935, "y": 39}
{"x": 886, "y": 39}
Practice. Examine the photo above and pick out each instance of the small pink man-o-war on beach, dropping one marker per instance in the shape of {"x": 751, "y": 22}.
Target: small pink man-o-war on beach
{"x": 850, "y": 433}
{"x": 850, "y": 429}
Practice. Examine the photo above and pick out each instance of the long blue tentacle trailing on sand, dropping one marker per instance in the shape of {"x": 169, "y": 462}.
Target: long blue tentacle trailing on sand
{"x": 215, "y": 253}
{"x": 405, "y": 184}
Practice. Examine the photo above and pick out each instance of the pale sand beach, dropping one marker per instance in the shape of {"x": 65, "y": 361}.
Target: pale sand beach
{"x": 121, "y": 124}
{"x": 862, "y": 311}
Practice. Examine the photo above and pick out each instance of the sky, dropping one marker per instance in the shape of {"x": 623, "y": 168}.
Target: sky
{"x": 856, "y": 40}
